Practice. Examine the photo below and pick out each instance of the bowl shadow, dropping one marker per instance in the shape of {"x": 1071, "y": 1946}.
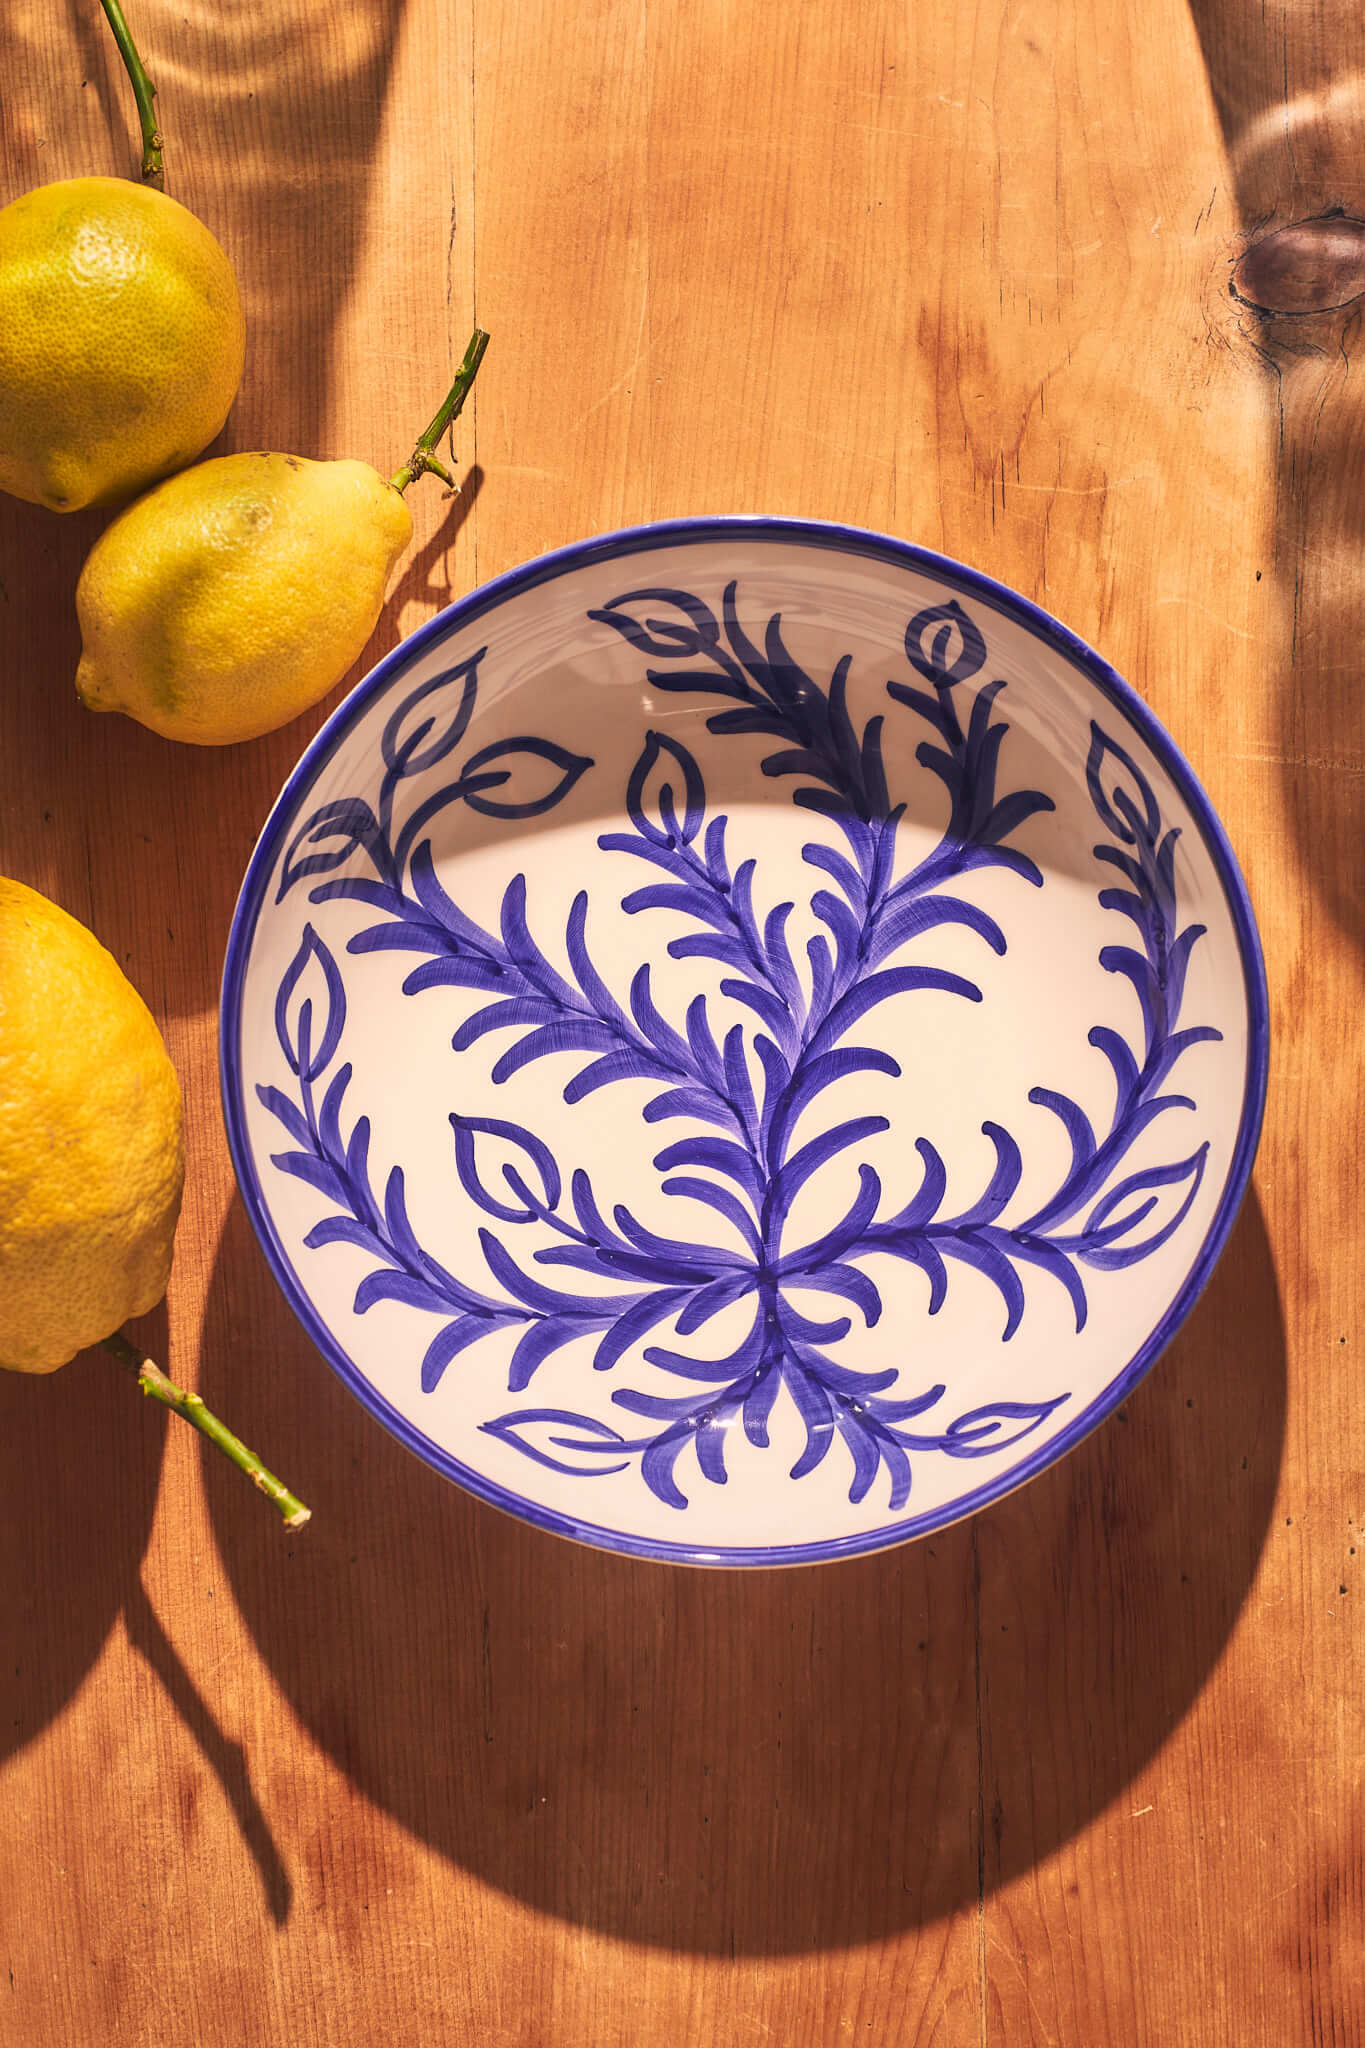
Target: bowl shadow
{"x": 765, "y": 1762}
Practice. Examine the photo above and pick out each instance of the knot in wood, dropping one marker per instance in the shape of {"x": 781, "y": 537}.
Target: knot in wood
{"x": 1312, "y": 266}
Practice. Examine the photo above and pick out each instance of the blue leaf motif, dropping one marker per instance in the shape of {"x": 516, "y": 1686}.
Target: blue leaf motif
{"x": 1126, "y": 818}
{"x": 280, "y": 1107}
{"x": 535, "y": 1346}
{"x": 466, "y": 1128}
{"x": 450, "y": 1342}
{"x": 448, "y": 697}
{"x": 347, "y": 823}
{"x": 696, "y": 631}
{"x": 941, "y": 632}
{"x": 1184, "y": 1177}
{"x": 977, "y": 1434}
{"x": 539, "y": 1432}
{"x": 309, "y": 1030}
{"x": 667, "y": 832}
{"x": 513, "y": 752}
{"x": 317, "y": 1172}
{"x": 807, "y": 1386}
{"x": 656, "y": 1466}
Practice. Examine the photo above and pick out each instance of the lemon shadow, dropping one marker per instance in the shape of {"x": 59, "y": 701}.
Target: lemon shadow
{"x": 228, "y": 1760}
{"x": 428, "y": 577}
{"x": 760, "y": 1763}
{"x": 80, "y": 1468}
{"x": 80, "y": 1464}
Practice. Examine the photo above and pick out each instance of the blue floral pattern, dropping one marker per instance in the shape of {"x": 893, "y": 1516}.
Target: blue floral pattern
{"x": 738, "y": 1093}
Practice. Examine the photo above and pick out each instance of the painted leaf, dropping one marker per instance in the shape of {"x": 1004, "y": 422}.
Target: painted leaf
{"x": 563, "y": 1441}
{"x": 533, "y": 1150}
{"x": 528, "y": 790}
{"x": 327, "y": 839}
{"x": 944, "y": 643}
{"x": 1128, "y": 808}
{"x": 653, "y": 804}
{"x": 432, "y": 720}
{"x": 668, "y": 623}
{"x": 310, "y": 1008}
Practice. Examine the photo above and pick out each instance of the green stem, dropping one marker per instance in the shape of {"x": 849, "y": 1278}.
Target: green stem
{"x": 423, "y": 457}
{"x": 153, "y": 1381}
{"x": 144, "y": 92}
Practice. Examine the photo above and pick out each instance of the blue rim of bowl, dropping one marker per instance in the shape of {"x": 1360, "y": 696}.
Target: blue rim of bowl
{"x": 837, "y": 539}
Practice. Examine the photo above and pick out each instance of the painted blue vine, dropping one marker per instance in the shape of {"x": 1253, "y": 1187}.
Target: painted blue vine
{"x": 739, "y": 1096}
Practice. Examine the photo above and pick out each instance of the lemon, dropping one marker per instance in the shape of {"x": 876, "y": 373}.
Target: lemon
{"x": 121, "y": 341}
{"x": 233, "y": 596}
{"x": 91, "y": 1152}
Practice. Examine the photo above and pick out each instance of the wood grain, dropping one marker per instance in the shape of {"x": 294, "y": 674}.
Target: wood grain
{"x": 1085, "y": 1770}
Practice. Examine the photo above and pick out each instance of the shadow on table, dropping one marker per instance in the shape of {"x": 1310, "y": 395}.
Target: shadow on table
{"x": 761, "y": 1762}
{"x": 80, "y": 1463}
{"x": 80, "y": 1466}
{"x": 1290, "y": 296}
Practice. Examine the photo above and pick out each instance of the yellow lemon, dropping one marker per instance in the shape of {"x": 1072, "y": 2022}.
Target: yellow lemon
{"x": 233, "y": 596}
{"x": 91, "y": 1152}
{"x": 121, "y": 341}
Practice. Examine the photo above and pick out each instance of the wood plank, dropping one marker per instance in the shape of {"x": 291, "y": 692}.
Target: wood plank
{"x": 1213, "y": 1608}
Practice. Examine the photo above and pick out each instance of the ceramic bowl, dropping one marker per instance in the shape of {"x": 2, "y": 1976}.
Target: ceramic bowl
{"x": 742, "y": 1041}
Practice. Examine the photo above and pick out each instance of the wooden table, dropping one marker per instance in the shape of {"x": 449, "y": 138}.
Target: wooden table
{"x": 1084, "y": 1770}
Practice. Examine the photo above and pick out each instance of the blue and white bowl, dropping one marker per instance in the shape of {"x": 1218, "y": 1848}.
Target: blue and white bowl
{"x": 742, "y": 1041}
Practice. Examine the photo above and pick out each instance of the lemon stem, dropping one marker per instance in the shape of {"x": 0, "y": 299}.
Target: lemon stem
{"x": 423, "y": 456}
{"x": 144, "y": 92}
{"x": 153, "y": 1381}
